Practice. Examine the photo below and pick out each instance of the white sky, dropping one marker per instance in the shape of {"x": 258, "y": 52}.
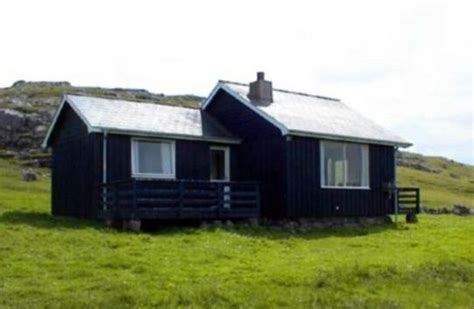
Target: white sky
{"x": 406, "y": 64}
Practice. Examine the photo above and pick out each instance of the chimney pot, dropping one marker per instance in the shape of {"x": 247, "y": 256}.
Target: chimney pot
{"x": 261, "y": 90}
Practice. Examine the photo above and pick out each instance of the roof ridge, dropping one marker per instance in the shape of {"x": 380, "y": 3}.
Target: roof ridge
{"x": 286, "y": 91}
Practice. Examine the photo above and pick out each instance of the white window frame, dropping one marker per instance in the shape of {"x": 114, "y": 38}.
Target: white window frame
{"x": 134, "y": 156}
{"x": 226, "y": 150}
{"x": 322, "y": 167}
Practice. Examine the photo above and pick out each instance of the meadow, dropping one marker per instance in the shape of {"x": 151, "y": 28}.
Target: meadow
{"x": 52, "y": 262}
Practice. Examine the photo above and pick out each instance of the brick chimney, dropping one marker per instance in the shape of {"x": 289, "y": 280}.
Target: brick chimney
{"x": 261, "y": 90}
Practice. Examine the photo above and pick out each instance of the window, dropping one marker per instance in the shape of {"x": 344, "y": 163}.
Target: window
{"x": 220, "y": 165}
{"x": 153, "y": 159}
{"x": 344, "y": 165}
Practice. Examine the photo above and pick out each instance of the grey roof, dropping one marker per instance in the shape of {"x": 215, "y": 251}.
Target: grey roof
{"x": 309, "y": 115}
{"x": 137, "y": 118}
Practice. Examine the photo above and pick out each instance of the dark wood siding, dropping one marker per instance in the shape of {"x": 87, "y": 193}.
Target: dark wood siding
{"x": 73, "y": 167}
{"x": 118, "y": 157}
{"x": 261, "y": 156}
{"x": 306, "y": 198}
{"x": 192, "y": 158}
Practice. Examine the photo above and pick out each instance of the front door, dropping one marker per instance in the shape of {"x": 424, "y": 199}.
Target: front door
{"x": 220, "y": 165}
{"x": 220, "y": 169}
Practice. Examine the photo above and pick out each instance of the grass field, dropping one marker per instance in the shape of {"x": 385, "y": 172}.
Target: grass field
{"x": 56, "y": 262}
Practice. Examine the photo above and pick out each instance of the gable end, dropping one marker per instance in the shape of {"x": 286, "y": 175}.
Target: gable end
{"x": 66, "y": 115}
{"x": 283, "y": 129}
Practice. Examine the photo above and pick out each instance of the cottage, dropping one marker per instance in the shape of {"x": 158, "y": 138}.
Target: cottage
{"x": 249, "y": 151}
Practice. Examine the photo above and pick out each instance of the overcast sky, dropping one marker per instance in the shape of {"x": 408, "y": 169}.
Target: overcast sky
{"x": 408, "y": 65}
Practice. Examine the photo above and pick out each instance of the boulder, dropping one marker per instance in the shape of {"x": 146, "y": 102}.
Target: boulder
{"x": 253, "y": 222}
{"x": 132, "y": 225}
{"x": 217, "y": 223}
{"x": 461, "y": 210}
{"x": 411, "y": 217}
{"x": 28, "y": 175}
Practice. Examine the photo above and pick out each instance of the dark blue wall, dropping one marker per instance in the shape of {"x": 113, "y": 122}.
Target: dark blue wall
{"x": 307, "y": 198}
{"x": 74, "y": 170}
{"x": 192, "y": 158}
{"x": 261, "y": 154}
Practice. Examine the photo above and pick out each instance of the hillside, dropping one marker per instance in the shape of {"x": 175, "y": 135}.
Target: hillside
{"x": 26, "y": 109}
{"x": 443, "y": 182}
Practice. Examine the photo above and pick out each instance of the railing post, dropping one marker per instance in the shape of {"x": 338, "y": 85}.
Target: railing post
{"x": 257, "y": 195}
{"x": 181, "y": 198}
{"x": 220, "y": 199}
{"x": 115, "y": 197}
{"x": 396, "y": 202}
{"x": 134, "y": 197}
{"x": 417, "y": 191}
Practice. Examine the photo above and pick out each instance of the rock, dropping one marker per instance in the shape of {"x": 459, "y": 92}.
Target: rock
{"x": 40, "y": 129}
{"x": 7, "y": 154}
{"x": 461, "y": 210}
{"x": 444, "y": 210}
{"x": 411, "y": 217}
{"x": 229, "y": 223}
{"x": 290, "y": 225}
{"x": 368, "y": 221}
{"x": 11, "y": 119}
{"x": 204, "y": 225}
{"x": 318, "y": 225}
{"x": 387, "y": 220}
{"x": 28, "y": 175}
{"x": 217, "y": 223}
{"x": 132, "y": 225}
{"x": 253, "y": 222}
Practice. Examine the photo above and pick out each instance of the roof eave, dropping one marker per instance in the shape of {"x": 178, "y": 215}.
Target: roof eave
{"x": 350, "y": 139}
{"x": 215, "y": 139}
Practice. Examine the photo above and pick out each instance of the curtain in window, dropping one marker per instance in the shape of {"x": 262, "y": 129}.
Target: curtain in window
{"x": 334, "y": 164}
{"x": 344, "y": 164}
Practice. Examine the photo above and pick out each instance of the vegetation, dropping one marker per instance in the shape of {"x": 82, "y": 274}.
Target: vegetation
{"x": 44, "y": 96}
{"x": 57, "y": 262}
{"x": 443, "y": 182}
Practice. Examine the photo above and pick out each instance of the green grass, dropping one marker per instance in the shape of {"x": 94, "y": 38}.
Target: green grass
{"x": 59, "y": 262}
{"x": 450, "y": 183}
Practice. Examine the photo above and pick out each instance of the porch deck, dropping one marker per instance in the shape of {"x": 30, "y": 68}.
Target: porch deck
{"x": 178, "y": 199}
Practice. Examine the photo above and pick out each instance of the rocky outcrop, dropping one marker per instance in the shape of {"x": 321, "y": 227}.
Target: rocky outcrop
{"x": 27, "y": 108}
{"x": 414, "y": 161}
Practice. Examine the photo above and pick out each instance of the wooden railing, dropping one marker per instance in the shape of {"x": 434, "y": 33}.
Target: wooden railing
{"x": 408, "y": 200}
{"x": 136, "y": 198}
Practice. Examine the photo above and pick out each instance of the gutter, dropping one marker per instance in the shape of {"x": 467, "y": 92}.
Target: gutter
{"x": 104, "y": 169}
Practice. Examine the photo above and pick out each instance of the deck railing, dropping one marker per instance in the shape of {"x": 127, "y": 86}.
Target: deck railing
{"x": 139, "y": 198}
{"x": 408, "y": 200}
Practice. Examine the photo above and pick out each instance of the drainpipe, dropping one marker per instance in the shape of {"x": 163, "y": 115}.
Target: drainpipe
{"x": 104, "y": 170}
{"x": 394, "y": 188}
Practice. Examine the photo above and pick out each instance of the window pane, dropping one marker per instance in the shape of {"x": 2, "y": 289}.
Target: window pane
{"x": 345, "y": 164}
{"x": 154, "y": 158}
{"x": 354, "y": 165}
{"x": 365, "y": 166}
{"x": 334, "y": 164}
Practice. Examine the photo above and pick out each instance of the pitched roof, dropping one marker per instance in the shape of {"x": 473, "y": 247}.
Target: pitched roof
{"x": 127, "y": 117}
{"x": 310, "y": 115}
